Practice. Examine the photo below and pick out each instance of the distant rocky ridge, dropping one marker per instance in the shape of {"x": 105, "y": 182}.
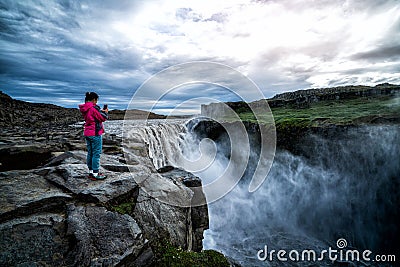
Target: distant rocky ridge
{"x": 20, "y": 113}
{"x": 25, "y": 114}
{"x": 303, "y": 98}
{"x": 135, "y": 114}
{"x": 358, "y": 90}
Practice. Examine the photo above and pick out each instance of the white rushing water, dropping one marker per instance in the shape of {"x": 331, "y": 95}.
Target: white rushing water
{"x": 346, "y": 187}
{"x": 162, "y": 137}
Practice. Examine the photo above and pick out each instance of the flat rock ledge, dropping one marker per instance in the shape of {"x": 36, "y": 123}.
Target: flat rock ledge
{"x": 56, "y": 216}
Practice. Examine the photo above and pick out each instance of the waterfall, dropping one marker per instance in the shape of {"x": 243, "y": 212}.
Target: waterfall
{"x": 162, "y": 138}
{"x": 163, "y": 142}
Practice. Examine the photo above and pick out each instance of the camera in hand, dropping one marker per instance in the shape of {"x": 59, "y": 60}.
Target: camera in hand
{"x": 105, "y": 106}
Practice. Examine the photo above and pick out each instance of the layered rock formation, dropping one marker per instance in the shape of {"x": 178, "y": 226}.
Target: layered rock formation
{"x": 56, "y": 215}
{"x": 335, "y": 93}
{"x": 52, "y": 214}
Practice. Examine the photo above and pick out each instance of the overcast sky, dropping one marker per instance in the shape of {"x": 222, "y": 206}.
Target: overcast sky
{"x": 55, "y": 51}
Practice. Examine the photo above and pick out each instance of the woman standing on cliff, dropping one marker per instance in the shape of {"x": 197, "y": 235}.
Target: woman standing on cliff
{"x": 93, "y": 130}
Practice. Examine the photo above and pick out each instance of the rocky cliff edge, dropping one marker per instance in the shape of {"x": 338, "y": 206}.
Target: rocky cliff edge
{"x": 53, "y": 215}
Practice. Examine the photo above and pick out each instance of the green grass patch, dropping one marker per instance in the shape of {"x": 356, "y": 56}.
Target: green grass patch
{"x": 170, "y": 256}
{"x": 338, "y": 112}
{"x": 123, "y": 208}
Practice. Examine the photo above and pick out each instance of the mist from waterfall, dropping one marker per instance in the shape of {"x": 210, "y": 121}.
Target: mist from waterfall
{"x": 346, "y": 187}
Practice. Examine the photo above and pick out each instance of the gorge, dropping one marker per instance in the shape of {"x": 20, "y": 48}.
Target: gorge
{"x": 342, "y": 183}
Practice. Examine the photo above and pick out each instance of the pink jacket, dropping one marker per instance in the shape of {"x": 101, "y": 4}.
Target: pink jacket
{"x": 93, "y": 119}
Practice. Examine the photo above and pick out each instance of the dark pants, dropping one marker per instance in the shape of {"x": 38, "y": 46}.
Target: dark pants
{"x": 93, "y": 144}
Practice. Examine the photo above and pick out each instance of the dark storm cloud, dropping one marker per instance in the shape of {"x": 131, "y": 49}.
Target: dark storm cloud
{"x": 47, "y": 40}
{"x": 390, "y": 53}
{"x": 392, "y": 68}
{"x": 43, "y": 42}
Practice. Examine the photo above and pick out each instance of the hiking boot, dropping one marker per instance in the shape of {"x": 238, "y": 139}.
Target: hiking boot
{"x": 99, "y": 176}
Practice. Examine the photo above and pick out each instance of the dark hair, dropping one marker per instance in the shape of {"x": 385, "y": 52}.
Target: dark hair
{"x": 91, "y": 96}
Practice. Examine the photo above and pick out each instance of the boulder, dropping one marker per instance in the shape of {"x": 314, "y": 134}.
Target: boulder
{"x": 37, "y": 240}
{"x": 74, "y": 179}
{"x": 161, "y": 221}
{"x": 182, "y": 226}
{"x": 24, "y": 192}
{"x": 166, "y": 190}
{"x": 104, "y": 238}
{"x": 72, "y": 175}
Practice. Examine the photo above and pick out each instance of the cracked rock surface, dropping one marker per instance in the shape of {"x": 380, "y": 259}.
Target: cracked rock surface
{"x": 54, "y": 215}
